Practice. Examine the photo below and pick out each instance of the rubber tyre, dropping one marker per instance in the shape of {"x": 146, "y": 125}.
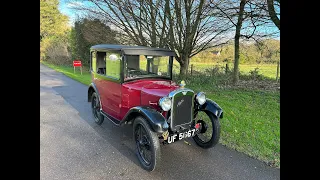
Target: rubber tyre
{"x": 215, "y": 134}
{"x": 154, "y": 144}
{"x": 98, "y": 117}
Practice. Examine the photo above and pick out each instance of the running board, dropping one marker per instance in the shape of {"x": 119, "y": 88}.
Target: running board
{"x": 110, "y": 118}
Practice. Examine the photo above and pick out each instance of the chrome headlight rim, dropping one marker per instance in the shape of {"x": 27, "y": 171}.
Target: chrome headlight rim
{"x": 165, "y": 103}
{"x": 201, "y": 98}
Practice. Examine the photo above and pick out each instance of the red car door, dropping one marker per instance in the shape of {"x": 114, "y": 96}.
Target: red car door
{"x": 111, "y": 97}
{"x": 111, "y": 86}
{"x": 106, "y": 77}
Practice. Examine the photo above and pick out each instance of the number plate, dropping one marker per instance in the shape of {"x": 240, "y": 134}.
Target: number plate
{"x": 179, "y": 136}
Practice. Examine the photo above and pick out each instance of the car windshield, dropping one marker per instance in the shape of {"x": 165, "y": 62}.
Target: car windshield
{"x": 145, "y": 66}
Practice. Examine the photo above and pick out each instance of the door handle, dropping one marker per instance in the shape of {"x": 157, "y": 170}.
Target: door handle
{"x": 153, "y": 103}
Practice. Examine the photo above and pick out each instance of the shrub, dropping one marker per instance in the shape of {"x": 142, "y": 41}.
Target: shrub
{"x": 55, "y": 50}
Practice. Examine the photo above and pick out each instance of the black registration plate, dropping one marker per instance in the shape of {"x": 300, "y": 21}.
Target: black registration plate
{"x": 178, "y": 136}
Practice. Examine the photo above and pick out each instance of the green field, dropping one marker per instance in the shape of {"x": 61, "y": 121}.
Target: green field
{"x": 251, "y": 122}
{"x": 267, "y": 70}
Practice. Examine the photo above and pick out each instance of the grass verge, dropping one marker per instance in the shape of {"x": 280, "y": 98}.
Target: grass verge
{"x": 85, "y": 78}
{"x": 251, "y": 122}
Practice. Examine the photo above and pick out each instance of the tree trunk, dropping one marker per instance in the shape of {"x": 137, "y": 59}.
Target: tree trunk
{"x": 191, "y": 70}
{"x": 227, "y": 68}
{"x": 236, "y": 59}
{"x": 272, "y": 13}
{"x": 237, "y": 43}
{"x": 278, "y": 70}
{"x": 184, "y": 64}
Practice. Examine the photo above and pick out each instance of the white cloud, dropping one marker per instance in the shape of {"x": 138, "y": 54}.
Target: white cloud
{"x": 74, "y": 4}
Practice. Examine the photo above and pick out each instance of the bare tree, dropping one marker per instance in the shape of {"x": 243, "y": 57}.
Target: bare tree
{"x": 186, "y": 26}
{"x": 193, "y": 29}
{"x": 237, "y": 42}
{"x": 249, "y": 20}
{"x": 272, "y": 12}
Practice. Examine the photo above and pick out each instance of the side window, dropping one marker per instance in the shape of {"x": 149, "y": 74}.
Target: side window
{"x": 93, "y": 61}
{"x": 142, "y": 60}
{"x": 101, "y": 63}
{"x": 113, "y": 60}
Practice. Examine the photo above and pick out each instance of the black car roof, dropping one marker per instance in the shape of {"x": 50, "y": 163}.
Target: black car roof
{"x": 134, "y": 50}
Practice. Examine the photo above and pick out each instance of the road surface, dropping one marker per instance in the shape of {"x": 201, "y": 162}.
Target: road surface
{"x": 72, "y": 146}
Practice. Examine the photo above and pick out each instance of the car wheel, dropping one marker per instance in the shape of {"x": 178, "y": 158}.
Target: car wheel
{"x": 147, "y": 144}
{"x": 209, "y": 134}
{"x": 95, "y": 106}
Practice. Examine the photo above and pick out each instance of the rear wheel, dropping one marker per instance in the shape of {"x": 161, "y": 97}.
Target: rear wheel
{"x": 147, "y": 144}
{"x": 210, "y": 129}
{"x": 95, "y": 106}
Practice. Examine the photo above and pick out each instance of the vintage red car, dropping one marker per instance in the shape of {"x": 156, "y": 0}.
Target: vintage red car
{"x": 133, "y": 85}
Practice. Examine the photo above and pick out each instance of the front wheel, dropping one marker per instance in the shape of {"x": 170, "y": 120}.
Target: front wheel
{"x": 147, "y": 144}
{"x": 210, "y": 129}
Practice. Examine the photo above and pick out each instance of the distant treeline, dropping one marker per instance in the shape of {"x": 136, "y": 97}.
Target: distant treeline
{"x": 262, "y": 52}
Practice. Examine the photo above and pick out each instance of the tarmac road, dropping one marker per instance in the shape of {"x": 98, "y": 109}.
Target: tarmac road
{"x": 72, "y": 146}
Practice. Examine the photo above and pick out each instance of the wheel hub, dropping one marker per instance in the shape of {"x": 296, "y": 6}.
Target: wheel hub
{"x": 203, "y": 126}
{"x": 144, "y": 142}
{"x": 97, "y": 104}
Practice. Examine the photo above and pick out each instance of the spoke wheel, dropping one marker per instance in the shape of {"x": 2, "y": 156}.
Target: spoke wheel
{"x": 143, "y": 144}
{"x": 95, "y": 106}
{"x": 209, "y": 134}
{"x": 147, "y": 144}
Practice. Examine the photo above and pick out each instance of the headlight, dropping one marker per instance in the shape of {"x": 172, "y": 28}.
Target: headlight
{"x": 165, "y": 103}
{"x": 201, "y": 98}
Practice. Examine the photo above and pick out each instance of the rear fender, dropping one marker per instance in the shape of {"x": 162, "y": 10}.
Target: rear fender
{"x": 92, "y": 88}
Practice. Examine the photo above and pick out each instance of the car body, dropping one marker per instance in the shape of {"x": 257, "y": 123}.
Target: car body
{"x": 133, "y": 85}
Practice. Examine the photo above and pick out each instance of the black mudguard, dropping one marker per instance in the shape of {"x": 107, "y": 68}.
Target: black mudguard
{"x": 213, "y": 107}
{"x": 92, "y": 87}
{"x": 157, "y": 122}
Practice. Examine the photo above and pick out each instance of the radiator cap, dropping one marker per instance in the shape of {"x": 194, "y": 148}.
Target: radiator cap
{"x": 182, "y": 84}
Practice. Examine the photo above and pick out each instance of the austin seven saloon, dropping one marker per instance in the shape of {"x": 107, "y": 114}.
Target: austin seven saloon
{"x": 132, "y": 85}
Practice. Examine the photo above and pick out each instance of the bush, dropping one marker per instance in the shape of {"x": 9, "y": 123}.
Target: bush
{"x": 254, "y": 74}
{"x": 55, "y": 50}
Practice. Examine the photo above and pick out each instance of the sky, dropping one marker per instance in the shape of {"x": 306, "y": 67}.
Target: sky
{"x": 65, "y": 7}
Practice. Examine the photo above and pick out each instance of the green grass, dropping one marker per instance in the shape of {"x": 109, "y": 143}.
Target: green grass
{"x": 267, "y": 70}
{"x": 251, "y": 122}
{"x": 85, "y": 78}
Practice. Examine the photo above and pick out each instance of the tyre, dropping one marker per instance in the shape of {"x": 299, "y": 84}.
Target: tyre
{"x": 147, "y": 144}
{"x": 210, "y": 130}
{"x": 95, "y": 106}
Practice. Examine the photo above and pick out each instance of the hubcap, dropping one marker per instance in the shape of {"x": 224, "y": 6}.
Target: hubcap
{"x": 203, "y": 126}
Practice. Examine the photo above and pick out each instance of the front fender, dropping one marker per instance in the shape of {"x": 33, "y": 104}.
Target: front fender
{"x": 213, "y": 107}
{"x": 156, "y": 120}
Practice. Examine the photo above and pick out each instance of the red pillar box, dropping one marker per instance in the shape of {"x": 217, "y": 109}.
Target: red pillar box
{"x": 77, "y": 63}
